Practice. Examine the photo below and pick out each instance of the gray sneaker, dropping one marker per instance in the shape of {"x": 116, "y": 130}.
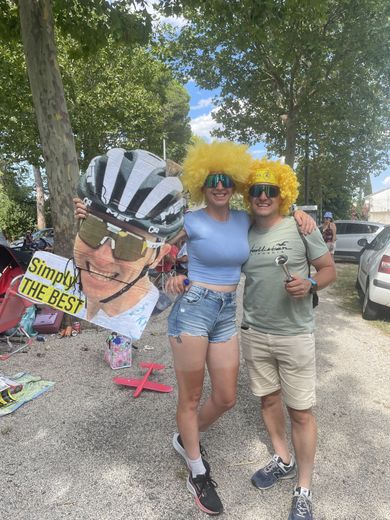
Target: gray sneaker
{"x": 301, "y": 508}
{"x": 274, "y": 471}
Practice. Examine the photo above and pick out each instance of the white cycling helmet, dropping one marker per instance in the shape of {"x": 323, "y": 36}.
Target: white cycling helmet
{"x": 132, "y": 187}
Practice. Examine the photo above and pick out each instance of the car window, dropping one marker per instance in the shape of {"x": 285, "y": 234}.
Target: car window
{"x": 357, "y": 228}
{"x": 381, "y": 240}
{"x": 372, "y": 228}
{"x": 340, "y": 228}
{"x": 49, "y": 232}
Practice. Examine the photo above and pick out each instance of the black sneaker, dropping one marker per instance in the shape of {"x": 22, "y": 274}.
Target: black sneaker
{"x": 274, "y": 471}
{"x": 203, "y": 489}
{"x": 301, "y": 508}
{"x": 178, "y": 445}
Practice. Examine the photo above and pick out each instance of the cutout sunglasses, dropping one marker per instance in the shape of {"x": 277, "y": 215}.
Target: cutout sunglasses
{"x": 125, "y": 245}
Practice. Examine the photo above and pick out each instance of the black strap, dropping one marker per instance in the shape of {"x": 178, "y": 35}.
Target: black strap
{"x": 303, "y": 238}
{"x": 315, "y": 299}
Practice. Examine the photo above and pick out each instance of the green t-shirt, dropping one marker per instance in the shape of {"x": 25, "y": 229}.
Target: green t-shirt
{"x": 267, "y": 305}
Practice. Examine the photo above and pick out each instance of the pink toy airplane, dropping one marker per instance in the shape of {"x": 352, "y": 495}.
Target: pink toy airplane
{"x": 144, "y": 384}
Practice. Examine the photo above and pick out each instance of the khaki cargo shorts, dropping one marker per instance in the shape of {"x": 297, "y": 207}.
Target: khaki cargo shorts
{"x": 277, "y": 362}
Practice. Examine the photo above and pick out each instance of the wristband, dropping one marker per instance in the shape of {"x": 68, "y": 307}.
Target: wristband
{"x": 314, "y": 285}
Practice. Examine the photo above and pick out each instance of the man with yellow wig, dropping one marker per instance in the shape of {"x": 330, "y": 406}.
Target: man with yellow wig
{"x": 278, "y": 322}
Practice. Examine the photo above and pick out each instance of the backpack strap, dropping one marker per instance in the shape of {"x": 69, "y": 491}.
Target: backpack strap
{"x": 315, "y": 299}
{"x": 303, "y": 238}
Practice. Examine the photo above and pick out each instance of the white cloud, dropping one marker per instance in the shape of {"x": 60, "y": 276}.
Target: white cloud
{"x": 203, "y": 103}
{"x": 386, "y": 181}
{"x": 203, "y": 125}
{"x": 259, "y": 153}
{"x": 176, "y": 21}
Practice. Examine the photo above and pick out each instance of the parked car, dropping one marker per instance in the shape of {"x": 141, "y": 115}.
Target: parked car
{"x": 349, "y": 232}
{"x": 373, "y": 279}
{"x": 3, "y": 240}
{"x": 46, "y": 234}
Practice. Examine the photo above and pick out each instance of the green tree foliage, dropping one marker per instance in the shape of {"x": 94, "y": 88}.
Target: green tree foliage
{"x": 295, "y": 68}
{"x": 177, "y": 130}
{"x": 116, "y": 97}
{"x": 117, "y": 94}
{"x": 19, "y": 138}
{"x": 17, "y": 207}
{"x": 122, "y": 97}
{"x": 90, "y": 21}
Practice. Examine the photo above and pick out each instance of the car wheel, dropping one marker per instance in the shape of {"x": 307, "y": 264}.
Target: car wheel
{"x": 370, "y": 310}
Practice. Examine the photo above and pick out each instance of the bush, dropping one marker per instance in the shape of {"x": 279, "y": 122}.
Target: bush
{"x": 16, "y": 218}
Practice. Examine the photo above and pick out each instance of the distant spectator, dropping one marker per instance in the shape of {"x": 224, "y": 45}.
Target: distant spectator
{"x": 28, "y": 242}
{"x": 328, "y": 230}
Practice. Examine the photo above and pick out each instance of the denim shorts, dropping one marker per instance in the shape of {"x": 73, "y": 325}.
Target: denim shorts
{"x": 206, "y": 313}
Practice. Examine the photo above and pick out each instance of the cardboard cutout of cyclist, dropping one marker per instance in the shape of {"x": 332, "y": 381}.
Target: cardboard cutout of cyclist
{"x": 133, "y": 210}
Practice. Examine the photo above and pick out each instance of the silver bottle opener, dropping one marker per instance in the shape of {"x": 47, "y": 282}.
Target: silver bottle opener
{"x": 282, "y": 261}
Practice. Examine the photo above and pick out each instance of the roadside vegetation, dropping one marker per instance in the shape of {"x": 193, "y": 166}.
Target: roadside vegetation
{"x": 345, "y": 291}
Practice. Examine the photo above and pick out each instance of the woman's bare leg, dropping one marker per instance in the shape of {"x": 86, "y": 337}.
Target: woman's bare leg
{"x": 189, "y": 356}
{"x": 223, "y": 364}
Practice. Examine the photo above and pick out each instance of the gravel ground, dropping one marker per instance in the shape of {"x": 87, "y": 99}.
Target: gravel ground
{"x": 88, "y": 450}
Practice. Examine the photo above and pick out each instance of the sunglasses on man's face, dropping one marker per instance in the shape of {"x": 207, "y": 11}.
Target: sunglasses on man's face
{"x": 125, "y": 245}
{"x": 213, "y": 180}
{"x": 270, "y": 191}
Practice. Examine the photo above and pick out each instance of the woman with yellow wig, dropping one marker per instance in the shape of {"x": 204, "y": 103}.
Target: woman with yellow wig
{"x": 202, "y": 326}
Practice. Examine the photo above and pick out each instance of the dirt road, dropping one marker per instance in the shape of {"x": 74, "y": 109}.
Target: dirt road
{"x": 88, "y": 450}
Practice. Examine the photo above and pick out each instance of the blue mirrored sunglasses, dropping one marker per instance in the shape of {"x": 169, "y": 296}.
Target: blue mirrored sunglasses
{"x": 213, "y": 180}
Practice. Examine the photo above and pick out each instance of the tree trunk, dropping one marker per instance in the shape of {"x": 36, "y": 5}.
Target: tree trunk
{"x": 37, "y": 28}
{"x": 41, "y": 219}
{"x": 291, "y": 137}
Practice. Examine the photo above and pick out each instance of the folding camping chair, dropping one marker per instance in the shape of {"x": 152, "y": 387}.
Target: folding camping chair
{"x": 164, "y": 270}
{"x": 12, "y": 308}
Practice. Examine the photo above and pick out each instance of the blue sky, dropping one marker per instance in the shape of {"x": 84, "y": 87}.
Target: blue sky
{"x": 202, "y": 124}
{"x": 201, "y": 107}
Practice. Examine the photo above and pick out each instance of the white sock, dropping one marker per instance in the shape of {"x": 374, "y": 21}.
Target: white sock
{"x": 302, "y": 491}
{"x": 290, "y": 463}
{"x": 197, "y": 467}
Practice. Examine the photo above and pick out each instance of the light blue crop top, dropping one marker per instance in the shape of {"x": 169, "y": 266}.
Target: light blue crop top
{"x": 216, "y": 250}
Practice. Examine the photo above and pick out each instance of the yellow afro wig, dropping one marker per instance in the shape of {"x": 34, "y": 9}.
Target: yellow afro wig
{"x": 273, "y": 172}
{"x": 204, "y": 159}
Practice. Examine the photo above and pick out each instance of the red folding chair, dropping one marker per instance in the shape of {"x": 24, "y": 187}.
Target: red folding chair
{"x": 12, "y": 308}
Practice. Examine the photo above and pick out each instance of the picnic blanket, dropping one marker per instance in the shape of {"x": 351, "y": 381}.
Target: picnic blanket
{"x": 33, "y": 386}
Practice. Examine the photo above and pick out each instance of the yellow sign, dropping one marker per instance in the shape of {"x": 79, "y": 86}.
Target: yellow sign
{"x": 53, "y": 280}
{"x": 42, "y": 293}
